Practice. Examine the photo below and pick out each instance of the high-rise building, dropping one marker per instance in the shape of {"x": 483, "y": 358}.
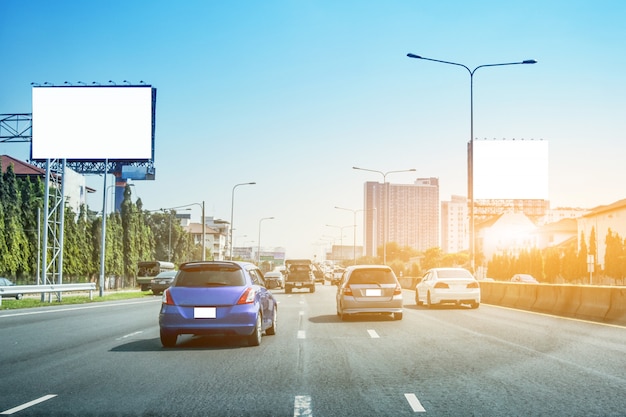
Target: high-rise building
{"x": 454, "y": 225}
{"x": 407, "y": 214}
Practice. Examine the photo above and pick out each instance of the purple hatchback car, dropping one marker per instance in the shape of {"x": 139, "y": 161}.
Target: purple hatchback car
{"x": 218, "y": 297}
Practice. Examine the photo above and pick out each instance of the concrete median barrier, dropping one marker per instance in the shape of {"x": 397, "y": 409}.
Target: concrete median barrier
{"x": 547, "y": 298}
{"x": 617, "y": 310}
{"x": 511, "y": 294}
{"x": 568, "y": 300}
{"x": 527, "y": 296}
{"x": 594, "y": 303}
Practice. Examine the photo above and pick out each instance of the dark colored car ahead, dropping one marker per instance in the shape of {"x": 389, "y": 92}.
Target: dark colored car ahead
{"x": 218, "y": 297}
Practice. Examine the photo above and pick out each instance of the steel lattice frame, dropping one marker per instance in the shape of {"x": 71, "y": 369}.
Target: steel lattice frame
{"x": 17, "y": 128}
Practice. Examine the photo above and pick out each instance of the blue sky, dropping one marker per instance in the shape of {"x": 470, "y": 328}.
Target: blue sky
{"x": 292, "y": 94}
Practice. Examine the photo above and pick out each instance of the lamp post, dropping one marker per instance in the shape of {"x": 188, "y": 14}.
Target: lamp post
{"x": 232, "y": 211}
{"x": 386, "y": 217}
{"x": 354, "y": 211}
{"x": 258, "y": 252}
{"x": 341, "y": 235}
{"x": 186, "y": 207}
{"x": 470, "y": 149}
{"x": 169, "y": 239}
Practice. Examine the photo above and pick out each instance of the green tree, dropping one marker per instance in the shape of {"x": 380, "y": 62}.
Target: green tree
{"x": 552, "y": 264}
{"x": 15, "y": 260}
{"x": 432, "y": 258}
{"x": 614, "y": 266}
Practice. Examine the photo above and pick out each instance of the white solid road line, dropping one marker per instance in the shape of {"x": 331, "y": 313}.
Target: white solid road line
{"x": 373, "y": 334}
{"x": 28, "y": 404}
{"x": 302, "y": 406}
{"x": 414, "y": 403}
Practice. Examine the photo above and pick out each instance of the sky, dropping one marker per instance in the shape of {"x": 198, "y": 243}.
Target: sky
{"x": 291, "y": 94}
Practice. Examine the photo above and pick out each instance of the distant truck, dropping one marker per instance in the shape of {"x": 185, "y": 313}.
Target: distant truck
{"x": 299, "y": 274}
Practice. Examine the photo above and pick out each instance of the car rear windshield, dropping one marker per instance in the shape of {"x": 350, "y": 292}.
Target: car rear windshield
{"x": 454, "y": 273}
{"x": 210, "y": 276}
{"x": 372, "y": 276}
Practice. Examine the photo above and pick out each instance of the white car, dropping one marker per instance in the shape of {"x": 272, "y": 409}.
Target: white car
{"x": 448, "y": 286}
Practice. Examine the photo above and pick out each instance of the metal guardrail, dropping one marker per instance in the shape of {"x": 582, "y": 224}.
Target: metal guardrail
{"x": 47, "y": 288}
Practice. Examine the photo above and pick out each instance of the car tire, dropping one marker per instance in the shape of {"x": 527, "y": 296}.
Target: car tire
{"x": 312, "y": 288}
{"x": 168, "y": 340}
{"x": 255, "y": 337}
{"x": 343, "y": 316}
{"x": 287, "y": 289}
{"x": 474, "y": 305}
{"x": 397, "y": 316}
{"x": 428, "y": 300}
{"x": 417, "y": 299}
{"x": 271, "y": 331}
{"x": 19, "y": 296}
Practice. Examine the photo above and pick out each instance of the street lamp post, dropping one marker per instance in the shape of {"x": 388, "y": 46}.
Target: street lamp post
{"x": 258, "y": 252}
{"x": 354, "y": 212}
{"x": 386, "y": 217}
{"x": 341, "y": 235}
{"x": 232, "y": 211}
{"x": 470, "y": 150}
{"x": 170, "y": 211}
{"x": 186, "y": 207}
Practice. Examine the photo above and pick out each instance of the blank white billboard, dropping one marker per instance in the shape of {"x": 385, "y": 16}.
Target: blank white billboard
{"x": 511, "y": 169}
{"x": 87, "y": 123}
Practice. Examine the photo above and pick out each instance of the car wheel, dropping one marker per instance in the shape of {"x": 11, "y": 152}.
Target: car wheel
{"x": 271, "y": 331}
{"x": 168, "y": 340}
{"x": 255, "y": 338}
{"x": 417, "y": 298}
{"x": 474, "y": 305}
{"x": 428, "y": 300}
{"x": 19, "y": 296}
{"x": 156, "y": 292}
{"x": 287, "y": 290}
{"x": 397, "y": 316}
{"x": 312, "y": 288}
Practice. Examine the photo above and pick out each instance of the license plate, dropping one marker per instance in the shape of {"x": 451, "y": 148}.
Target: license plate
{"x": 204, "y": 313}
{"x": 373, "y": 293}
{"x": 298, "y": 284}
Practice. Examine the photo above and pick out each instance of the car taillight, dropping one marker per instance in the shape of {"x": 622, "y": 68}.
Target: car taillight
{"x": 247, "y": 297}
{"x": 347, "y": 291}
{"x": 167, "y": 298}
{"x": 473, "y": 285}
{"x": 398, "y": 290}
{"x": 441, "y": 285}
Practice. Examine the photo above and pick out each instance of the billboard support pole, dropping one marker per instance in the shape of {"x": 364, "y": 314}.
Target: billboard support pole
{"x": 104, "y": 230}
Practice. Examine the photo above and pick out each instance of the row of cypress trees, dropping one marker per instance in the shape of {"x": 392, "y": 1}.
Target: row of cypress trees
{"x": 132, "y": 235}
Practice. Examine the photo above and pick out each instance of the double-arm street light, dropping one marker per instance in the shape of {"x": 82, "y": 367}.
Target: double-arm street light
{"x": 232, "y": 211}
{"x": 386, "y": 212}
{"x": 470, "y": 150}
{"x": 258, "y": 252}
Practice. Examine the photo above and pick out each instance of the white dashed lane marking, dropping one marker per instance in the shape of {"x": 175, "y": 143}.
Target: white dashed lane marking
{"x": 373, "y": 334}
{"x": 414, "y": 403}
{"x": 302, "y": 406}
{"x": 28, "y": 404}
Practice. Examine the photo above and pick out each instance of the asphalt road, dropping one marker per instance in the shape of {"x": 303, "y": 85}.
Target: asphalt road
{"x": 106, "y": 359}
